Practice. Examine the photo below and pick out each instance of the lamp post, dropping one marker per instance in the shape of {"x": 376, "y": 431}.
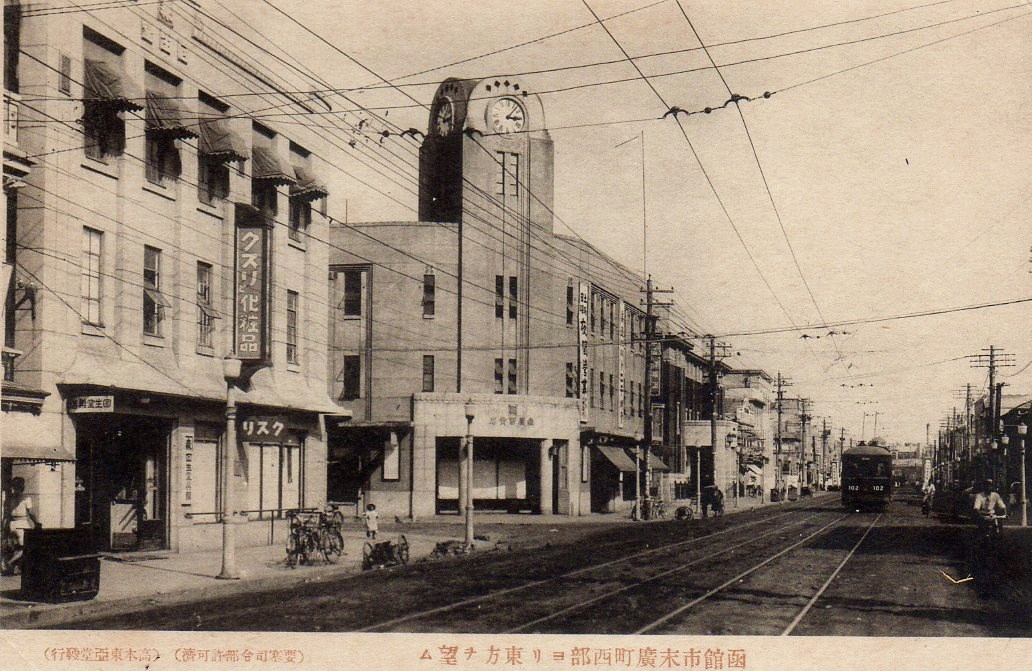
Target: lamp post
{"x": 1022, "y": 432}
{"x": 470, "y": 411}
{"x": 231, "y": 372}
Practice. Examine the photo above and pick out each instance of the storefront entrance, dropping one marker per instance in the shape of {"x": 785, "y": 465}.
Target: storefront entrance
{"x": 122, "y": 480}
{"x": 506, "y": 475}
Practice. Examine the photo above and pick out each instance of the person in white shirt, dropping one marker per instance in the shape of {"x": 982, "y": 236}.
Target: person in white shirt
{"x": 988, "y": 503}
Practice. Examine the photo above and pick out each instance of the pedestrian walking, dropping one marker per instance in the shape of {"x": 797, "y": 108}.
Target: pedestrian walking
{"x": 17, "y": 517}
{"x": 372, "y": 521}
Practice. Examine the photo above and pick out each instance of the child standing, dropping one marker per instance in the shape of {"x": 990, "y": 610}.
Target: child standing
{"x": 372, "y": 521}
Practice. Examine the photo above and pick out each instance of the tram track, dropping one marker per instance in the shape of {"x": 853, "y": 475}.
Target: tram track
{"x": 482, "y": 599}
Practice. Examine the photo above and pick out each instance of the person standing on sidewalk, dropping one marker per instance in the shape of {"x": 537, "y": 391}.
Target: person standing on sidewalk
{"x": 372, "y": 521}
{"x": 18, "y": 517}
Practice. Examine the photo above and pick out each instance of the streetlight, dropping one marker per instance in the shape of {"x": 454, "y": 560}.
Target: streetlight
{"x": 470, "y": 411}
{"x": 231, "y": 372}
{"x": 1022, "y": 432}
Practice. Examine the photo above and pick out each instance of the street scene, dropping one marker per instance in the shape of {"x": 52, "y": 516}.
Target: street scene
{"x": 652, "y": 319}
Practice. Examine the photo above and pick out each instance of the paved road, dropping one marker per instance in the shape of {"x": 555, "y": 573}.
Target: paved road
{"x": 805, "y": 568}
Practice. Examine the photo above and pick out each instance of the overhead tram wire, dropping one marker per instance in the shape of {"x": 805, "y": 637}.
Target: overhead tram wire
{"x": 704, "y": 172}
{"x": 563, "y": 68}
{"x": 763, "y": 175}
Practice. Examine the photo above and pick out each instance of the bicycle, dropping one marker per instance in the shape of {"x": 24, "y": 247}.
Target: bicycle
{"x": 986, "y": 559}
{"x": 687, "y": 512}
{"x": 331, "y": 540}
{"x": 312, "y": 534}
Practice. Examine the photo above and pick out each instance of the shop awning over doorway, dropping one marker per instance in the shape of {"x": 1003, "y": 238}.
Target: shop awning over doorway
{"x": 617, "y": 457}
{"x": 29, "y": 437}
{"x": 656, "y": 464}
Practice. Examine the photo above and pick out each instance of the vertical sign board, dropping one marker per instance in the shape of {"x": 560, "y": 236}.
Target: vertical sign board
{"x": 250, "y": 339}
{"x": 655, "y": 374}
{"x": 621, "y": 346}
{"x": 582, "y": 345}
{"x": 188, "y": 453}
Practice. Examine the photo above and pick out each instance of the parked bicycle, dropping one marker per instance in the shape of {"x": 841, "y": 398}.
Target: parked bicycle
{"x": 313, "y": 534}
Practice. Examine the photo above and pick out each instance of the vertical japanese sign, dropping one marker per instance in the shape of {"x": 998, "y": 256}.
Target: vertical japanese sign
{"x": 655, "y": 374}
{"x": 621, "y": 347}
{"x": 584, "y": 291}
{"x": 251, "y": 301}
{"x": 188, "y": 452}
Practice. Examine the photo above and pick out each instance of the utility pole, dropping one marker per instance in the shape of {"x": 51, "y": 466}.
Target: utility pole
{"x": 714, "y": 398}
{"x": 803, "y": 419}
{"x": 841, "y": 449}
{"x": 653, "y": 356}
{"x": 996, "y": 358}
{"x": 782, "y": 383}
{"x": 824, "y": 451}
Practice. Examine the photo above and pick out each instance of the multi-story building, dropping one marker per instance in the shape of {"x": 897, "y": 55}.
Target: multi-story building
{"x": 161, "y": 228}
{"x": 479, "y": 318}
{"x": 748, "y": 396}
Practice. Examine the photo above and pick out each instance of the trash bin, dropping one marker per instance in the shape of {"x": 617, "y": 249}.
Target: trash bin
{"x": 60, "y": 565}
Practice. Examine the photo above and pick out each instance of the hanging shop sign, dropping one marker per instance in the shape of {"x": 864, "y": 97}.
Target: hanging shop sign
{"x": 87, "y": 404}
{"x": 584, "y": 291}
{"x": 252, "y": 305}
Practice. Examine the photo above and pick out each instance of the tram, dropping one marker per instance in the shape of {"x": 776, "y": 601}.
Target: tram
{"x": 866, "y": 476}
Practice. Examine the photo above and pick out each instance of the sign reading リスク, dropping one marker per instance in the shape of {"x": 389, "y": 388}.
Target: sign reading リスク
{"x": 251, "y": 306}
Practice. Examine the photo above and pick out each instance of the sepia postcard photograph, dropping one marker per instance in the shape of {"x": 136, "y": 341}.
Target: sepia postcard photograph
{"x": 417, "y": 334}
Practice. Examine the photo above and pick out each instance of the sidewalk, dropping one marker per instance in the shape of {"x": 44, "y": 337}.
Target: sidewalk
{"x": 132, "y": 582}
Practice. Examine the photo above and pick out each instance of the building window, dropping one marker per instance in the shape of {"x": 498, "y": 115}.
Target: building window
{"x": 154, "y": 303}
{"x": 499, "y": 376}
{"x": 601, "y": 390}
{"x": 351, "y": 377}
{"x": 512, "y": 376}
{"x": 352, "y": 293}
{"x": 92, "y": 250}
{"x": 630, "y": 407}
{"x": 300, "y": 218}
{"x": 602, "y": 316}
{"x": 429, "y": 295}
{"x": 641, "y": 401}
{"x": 612, "y": 393}
{"x": 499, "y": 296}
{"x": 263, "y": 196}
{"x": 428, "y": 372}
{"x": 569, "y": 304}
{"x": 206, "y": 314}
{"x": 612, "y": 320}
{"x": 165, "y": 124}
{"x": 592, "y": 319}
{"x": 212, "y": 180}
{"x": 571, "y": 381}
{"x": 292, "y": 307}
{"x": 591, "y": 388}
{"x": 513, "y": 300}
{"x": 162, "y": 157}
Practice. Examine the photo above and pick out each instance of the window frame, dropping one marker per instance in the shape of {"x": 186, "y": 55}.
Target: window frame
{"x": 205, "y": 308}
{"x": 428, "y": 373}
{"x": 351, "y": 377}
{"x": 152, "y": 292}
{"x": 351, "y": 303}
{"x": 88, "y": 273}
{"x": 429, "y": 295}
{"x": 293, "y": 307}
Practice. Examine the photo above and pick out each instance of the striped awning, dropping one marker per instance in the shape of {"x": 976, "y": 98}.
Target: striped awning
{"x": 106, "y": 82}
{"x": 166, "y": 117}
{"x": 267, "y": 166}
{"x": 308, "y": 186}
{"x": 219, "y": 143}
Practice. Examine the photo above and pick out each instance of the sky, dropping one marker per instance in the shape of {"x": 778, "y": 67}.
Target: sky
{"x": 857, "y": 190}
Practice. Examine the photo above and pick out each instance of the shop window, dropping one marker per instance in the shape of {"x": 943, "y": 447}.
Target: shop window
{"x": 352, "y": 293}
{"x": 273, "y": 479}
{"x": 206, "y": 313}
{"x": 499, "y": 376}
{"x": 428, "y": 372}
{"x": 499, "y": 296}
{"x": 154, "y": 302}
{"x": 429, "y": 295}
{"x": 292, "y": 309}
{"x": 571, "y": 380}
{"x": 92, "y": 251}
{"x": 351, "y": 378}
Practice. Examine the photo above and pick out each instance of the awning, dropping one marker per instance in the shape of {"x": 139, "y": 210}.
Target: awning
{"x": 618, "y": 457}
{"x": 157, "y": 297}
{"x": 27, "y": 437}
{"x": 106, "y": 82}
{"x": 209, "y": 311}
{"x": 656, "y": 464}
{"x": 266, "y": 166}
{"x": 307, "y": 187}
{"x": 165, "y": 116}
{"x": 219, "y": 143}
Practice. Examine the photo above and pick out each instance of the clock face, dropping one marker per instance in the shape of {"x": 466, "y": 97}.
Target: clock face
{"x": 506, "y": 116}
{"x": 444, "y": 118}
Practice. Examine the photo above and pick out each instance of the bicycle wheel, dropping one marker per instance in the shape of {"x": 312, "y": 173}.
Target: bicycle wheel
{"x": 367, "y": 556}
{"x": 307, "y": 547}
{"x": 293, "y": 554}
{"x": 332, "y": 545}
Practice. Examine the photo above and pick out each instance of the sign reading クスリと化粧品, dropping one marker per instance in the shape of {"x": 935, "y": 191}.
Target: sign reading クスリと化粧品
{"x": 251, "y": 303}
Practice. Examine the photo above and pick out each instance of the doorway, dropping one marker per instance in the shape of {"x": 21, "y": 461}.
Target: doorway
{"x": 122, "y": 465}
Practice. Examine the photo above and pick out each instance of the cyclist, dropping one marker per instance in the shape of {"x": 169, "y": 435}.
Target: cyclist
{"x": 926, "y": 500}
{"x": 988, "y": 505}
